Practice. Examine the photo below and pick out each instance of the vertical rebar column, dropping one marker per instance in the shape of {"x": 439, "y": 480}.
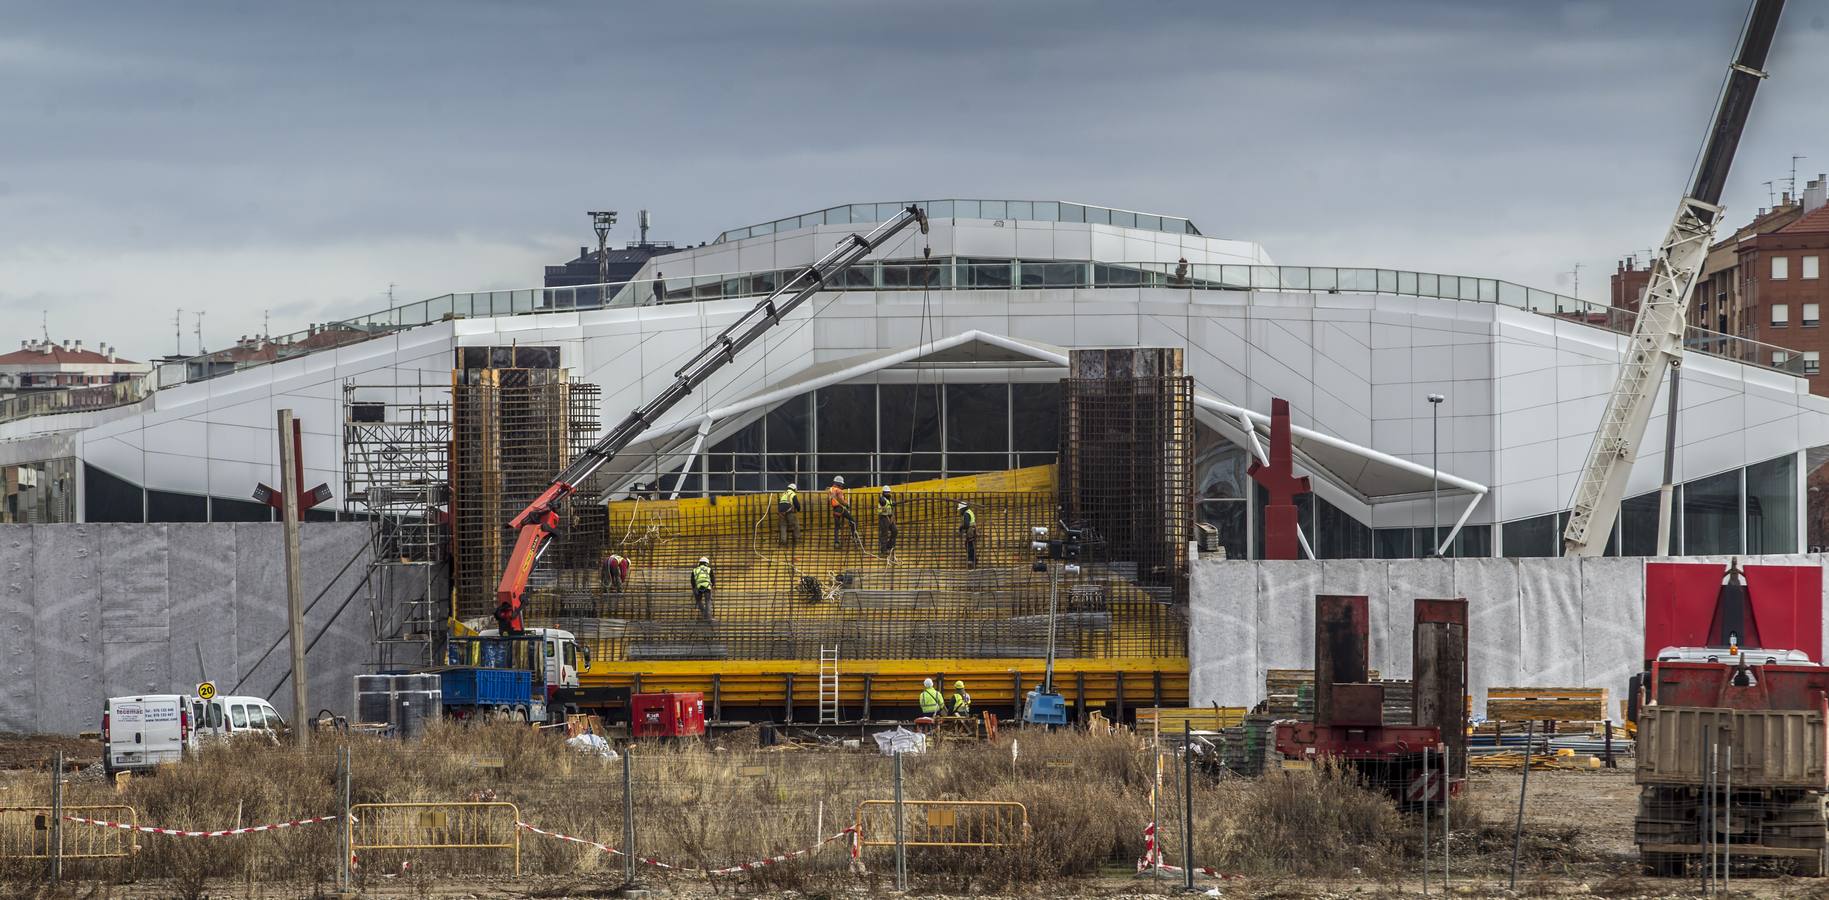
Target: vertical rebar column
{"x": 628, "y": 814}
{"x": 56, "y": 850}
{"x": 1447, "y": 804}
{"x": 1426, "y": 799}
{"x": 901, "y": 850}
{"x": 1727, "y": 826}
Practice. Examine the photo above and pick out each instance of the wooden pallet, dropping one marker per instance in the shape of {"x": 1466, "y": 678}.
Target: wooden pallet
{"x": 1546, "y": 704}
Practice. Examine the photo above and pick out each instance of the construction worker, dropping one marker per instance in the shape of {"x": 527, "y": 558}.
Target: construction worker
{"x": 932, "y": 704}
{"x": 968, "y": 529}
{"x": 885, "y": 523}
{"x": 615, "y": 572}
{"x": 962, "y": 701}
{"x": 841, "y": 510}
{"x": 787, "y": 504}
{"x": 701, "y": 586}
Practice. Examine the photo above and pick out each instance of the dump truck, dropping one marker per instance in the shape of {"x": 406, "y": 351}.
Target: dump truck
{"x": 1731, "y": 732}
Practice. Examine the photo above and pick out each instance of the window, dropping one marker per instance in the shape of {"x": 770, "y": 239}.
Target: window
{"x": 1811, "y": 363}
{"x": 1771, "y": 506}
{"x": 1711, "y": 514}
{"x": 1810, "y": 264}
{"x": 1779, "y": 358}
{"x": 238, "y": 715}
{"x": 215, "y": 715}
{"x": 1810, "y": 314}
{"x": 1781, "y": 268}
{"x": 1781, "y": 314}
{"x": 1530, "y": 537}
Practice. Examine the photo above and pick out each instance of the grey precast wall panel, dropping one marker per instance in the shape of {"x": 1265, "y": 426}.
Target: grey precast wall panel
{"x": 132, "y": 565}
{"x": 202, "y": 593}
{"x": 1224, "y": 630}
{"x": 1550, "y": 633}
{"x": 335, "y": 566}
{"x": 1612, "y": 623}
{"x": 1493, "y": 614}
{"x": 18, "y": 642}
{"x": 1286, "y": 610}
{"x": 1407, "y": 581}
{"x": 67, "y": 621}
{"x": 260, "y": 607}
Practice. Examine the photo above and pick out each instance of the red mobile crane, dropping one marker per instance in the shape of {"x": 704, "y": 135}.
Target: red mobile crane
{"x": 540, "y": 520}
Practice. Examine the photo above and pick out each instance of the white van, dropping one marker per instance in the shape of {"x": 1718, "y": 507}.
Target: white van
{"x": 139, "y": 733}
{"x": 226, "y": 716}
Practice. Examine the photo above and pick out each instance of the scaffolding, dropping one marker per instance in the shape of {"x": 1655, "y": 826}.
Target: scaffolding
{"x": 395, "y": 469}
{"x": 1127, "y": 461}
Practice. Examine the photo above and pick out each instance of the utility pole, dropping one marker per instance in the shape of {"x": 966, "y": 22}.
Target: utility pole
{"x": 200, "y": 350}
{"x": 290, "y": 504}
{"x": 177, "y": 332}
{"x": 1435, "y": 473}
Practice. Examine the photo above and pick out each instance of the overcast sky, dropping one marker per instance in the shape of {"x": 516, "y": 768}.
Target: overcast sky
{"x": 293, "y": 160}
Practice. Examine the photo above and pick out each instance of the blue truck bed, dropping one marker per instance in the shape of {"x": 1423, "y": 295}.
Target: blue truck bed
{"x": 465, "y": 686}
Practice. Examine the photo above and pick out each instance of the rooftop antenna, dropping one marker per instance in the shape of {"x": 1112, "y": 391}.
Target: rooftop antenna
{"x": 199, "y": 333}
{"x": 1794, "y": 159}
{"x": 643, "y": 219}
{"x": 177, "y": 332}
{"x": 44, "y": 324}
{"x": 1575, "y": 289}
{"x": 1771, "y": 197}
{"x": 266, "y": 323}
{"x": 390, "y": 293}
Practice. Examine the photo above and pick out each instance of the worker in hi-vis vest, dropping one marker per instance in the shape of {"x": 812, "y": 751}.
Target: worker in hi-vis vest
{"x": 787, "y": 504}
{"x": 932, "y": 704}
{"x": 962, "y": 701}
{"x": 968, "y": 529}
{"x": 885, "y": 523}
{"x": 701, "y": 586}
{"x": 615, "y": 572}
{"x": 840, "y": 508}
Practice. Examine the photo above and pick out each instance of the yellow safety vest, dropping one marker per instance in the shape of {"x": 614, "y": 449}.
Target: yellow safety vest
{"x": 885, "y": 506}
{"x": 787, "y": 500}
{"x": 701, "y": 576}
{"x": 931, "y": 701}
{"x": 962, "y": 703}
{"x": 968, "y": 518}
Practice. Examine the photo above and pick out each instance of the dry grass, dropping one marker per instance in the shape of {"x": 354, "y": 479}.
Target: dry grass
{"x": 1088, "y": 800}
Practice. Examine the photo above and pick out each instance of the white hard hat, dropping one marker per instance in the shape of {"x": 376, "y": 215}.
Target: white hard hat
{"x": 885, "y": 489}
{"x": 927, "y": 682}
{"x": 838, "y": 479}
{"x": 705, "y": 560}
{"x": 962, "y": 504}
{"x": 792, "y": 486}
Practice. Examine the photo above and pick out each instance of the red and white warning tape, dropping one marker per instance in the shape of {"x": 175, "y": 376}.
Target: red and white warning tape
{"x": 726, "y": 870}
{"x": 179, "y": 832}
{"x": 1152, "y": 859}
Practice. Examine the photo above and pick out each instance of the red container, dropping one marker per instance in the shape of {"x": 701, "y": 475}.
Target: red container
{"x": 679, "y": 714}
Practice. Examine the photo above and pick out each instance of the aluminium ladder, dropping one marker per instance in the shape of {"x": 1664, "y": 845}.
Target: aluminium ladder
{"x": 828, "y": 685}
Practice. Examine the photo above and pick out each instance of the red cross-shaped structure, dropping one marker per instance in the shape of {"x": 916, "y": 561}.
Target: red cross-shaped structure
{"x": 1280, "y": 481}
{"x": 275, "y": 498}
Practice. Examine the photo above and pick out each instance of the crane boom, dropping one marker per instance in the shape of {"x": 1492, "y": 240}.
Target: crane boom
{"x": 540, "y": 520}
{"x": 1657, "y": 335}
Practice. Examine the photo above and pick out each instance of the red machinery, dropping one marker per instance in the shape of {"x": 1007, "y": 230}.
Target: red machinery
{"x": 1349, "y": 709}
{"x": 671, "y": 715}
{"x": 1731, "y": 718}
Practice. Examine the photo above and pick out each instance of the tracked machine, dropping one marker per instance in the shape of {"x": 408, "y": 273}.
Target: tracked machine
{"x": 1731, "y": 712}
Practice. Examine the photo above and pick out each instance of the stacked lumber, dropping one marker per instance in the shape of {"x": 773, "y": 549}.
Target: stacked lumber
{"x": 1172, "y": 720}
{"x": 1546, "y": 704}
{"x": 1247, "y": 747}
{"x": 1514, "y": 759}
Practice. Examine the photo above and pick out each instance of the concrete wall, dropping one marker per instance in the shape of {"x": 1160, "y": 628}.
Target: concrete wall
{"x": 1532, "y": 622}
{"x": 92, "y": 611}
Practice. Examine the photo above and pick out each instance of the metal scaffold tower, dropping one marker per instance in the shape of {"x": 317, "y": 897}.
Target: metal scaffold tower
{"x": 396, "y": 458}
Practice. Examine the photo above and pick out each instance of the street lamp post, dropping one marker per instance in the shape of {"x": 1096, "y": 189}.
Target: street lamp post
{"x": 601, "y": 220}
{"x": 1435, "y": 472}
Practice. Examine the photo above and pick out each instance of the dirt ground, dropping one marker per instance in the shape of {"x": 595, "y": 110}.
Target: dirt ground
{"x": 1578, "y": 843}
